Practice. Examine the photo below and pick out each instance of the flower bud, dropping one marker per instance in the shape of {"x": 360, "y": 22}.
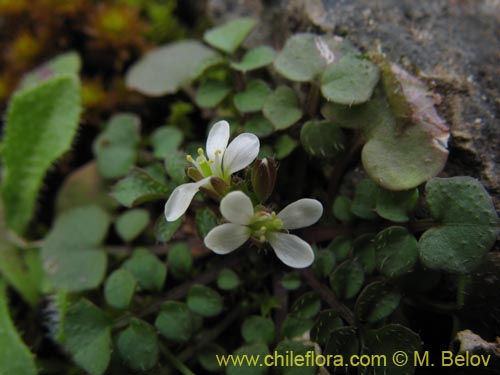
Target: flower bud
{"x": 264, "y": 178}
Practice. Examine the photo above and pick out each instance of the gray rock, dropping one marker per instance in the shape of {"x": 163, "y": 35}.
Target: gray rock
{"x": 454, "y": 45}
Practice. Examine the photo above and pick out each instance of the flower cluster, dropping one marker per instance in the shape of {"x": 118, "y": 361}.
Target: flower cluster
{"x": 244, "y": 220}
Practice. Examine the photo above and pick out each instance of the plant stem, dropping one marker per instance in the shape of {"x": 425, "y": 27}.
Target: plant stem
{"x": 282, "y": 295}
{"x": 175, "y": 361}
{"x": 312, "y": 100}
{"x": 328, "y": 296}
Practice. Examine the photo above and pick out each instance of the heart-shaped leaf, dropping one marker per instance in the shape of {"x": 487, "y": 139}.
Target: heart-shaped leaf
{"x": 376, "y": 302}
{"x": 211, "y": 93}
{"x": 396, "y": 205}
{"x": 347, "y": 279}
{"x": 138, "y": 345}
{"x": 253, "y": 98}
{"x": 468, "y": 224}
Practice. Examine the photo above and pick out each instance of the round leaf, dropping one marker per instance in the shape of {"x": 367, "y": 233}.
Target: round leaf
{"x": 342, "y": 208}
{"x": 258, "y": 329}
{"x": 326, "y": 322}
{"x": 396, "y": 251}
{"x": 211, "y": 93}
{"x": 165, "y": 140}
{"x": 253, "y": 98}
{"x": 227, "y": 279}
{"x": 204, "y": 301}
{"x": 131, "y": 223}
{"x": 257, "y": 350}
{"x": 282, "y": 108}
{"x": 396, "y": 205}
{"x": 119, "y": 289}
{"x": 306, "y": 306}
{"x": 322, "y": 139}
{"x": 180, "y": 261}
{"x": 138, "y": 346}
{"x": 260, "y": 126}
{"x": 365, "y": 199}
{"x": 376, "y": 302}
{"x": 149, "y": 271}
{"x": 349, "y": 81}
{"x": 347, "y": 279}
{"x": 175, "y": 321}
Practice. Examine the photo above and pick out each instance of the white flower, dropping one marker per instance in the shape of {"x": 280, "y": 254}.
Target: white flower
{"x": 245, "y": 223}
{"x": 222, "y": 162}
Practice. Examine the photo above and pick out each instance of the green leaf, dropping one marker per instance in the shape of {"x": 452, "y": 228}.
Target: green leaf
{"x": 256, "y": 328}
{"x": 260, "y": 126}
{"x": 175, "y": 164}
{"x": 341, "y": 247}
{"x": 71, "y": 254}
{"x": 149, "y": 271}
{"x": 131, "y": 223}
{"x": 326, "y": 322}
{"x": 206, "y": 220}
{"x": 365, "y": 199}
{"x": 15, "y": 357}
{"x": 344, "y": 342}
{"x": 298, "y": 349}
{"x": 347, "y": 279}
{"x": 396, "y": 205}
{"x": 285, "y": 146}
{"x": 175, "y": 321}
{"x": 165, "y": 230}
{"x": 406, "y": 140}
{"x": 342, "y": 208}
{"x": 87, "y": 337}
{"x": 227, "y": 279}
{"x": 282, "y": 107}
{"x": 139, "y": 187}
{"x": 349, "y": 81}
{"x": 40, "y": 125}
{"x": 396, "y": 251}
{"x": 207, "y": 357}
{"x": 291, "y": 281}
{"x": 119, "y": 288}
{"x": 211, "y": 93}
{"x": 116, "y": 147}
{"x": 253, "y": 98}
{"x": 295, "y": 327}
{"x": 306, "y": 306}
{"x": 83, "y": 187}
{"x": 254, "y": 58}
{"x": 388, "y": 340}
{"x": 364, "y": 252}
{"x": 322, "y": 139}
{"x": 305, "y": 55}
{"x": 138, "y": 345}
{"x": 468, "y": 224}
{"x": 258, "y": 350}
{"x": 180, "y": 61}
{"x": 376, "y": 302}
{"x": 180, "y": 261}
{"x": 230, "y": 35}
{"x": 323, "y": 263}
{"x": 204, "y": 301}
{"x": 68, "y": 63}
{"x": 165, "y": 140}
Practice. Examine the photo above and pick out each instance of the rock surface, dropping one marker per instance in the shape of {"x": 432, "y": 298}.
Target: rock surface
{"x": 454, "y": 45}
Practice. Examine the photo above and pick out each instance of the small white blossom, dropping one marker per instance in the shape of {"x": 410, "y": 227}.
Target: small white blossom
{"x": 223, "y": 160}
{"x": 244, "y": 222}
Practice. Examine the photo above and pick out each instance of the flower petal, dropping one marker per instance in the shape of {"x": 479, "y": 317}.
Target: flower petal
{"x": 217, "y": 138}
{"x": 237, "y": 208}
{"x": 226, "y": 238}
{"x": 181, "y": 198}
{"x": 301, "y": 213}
{"x": 240, "y": 153}
{"x": 292, "y": 250}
